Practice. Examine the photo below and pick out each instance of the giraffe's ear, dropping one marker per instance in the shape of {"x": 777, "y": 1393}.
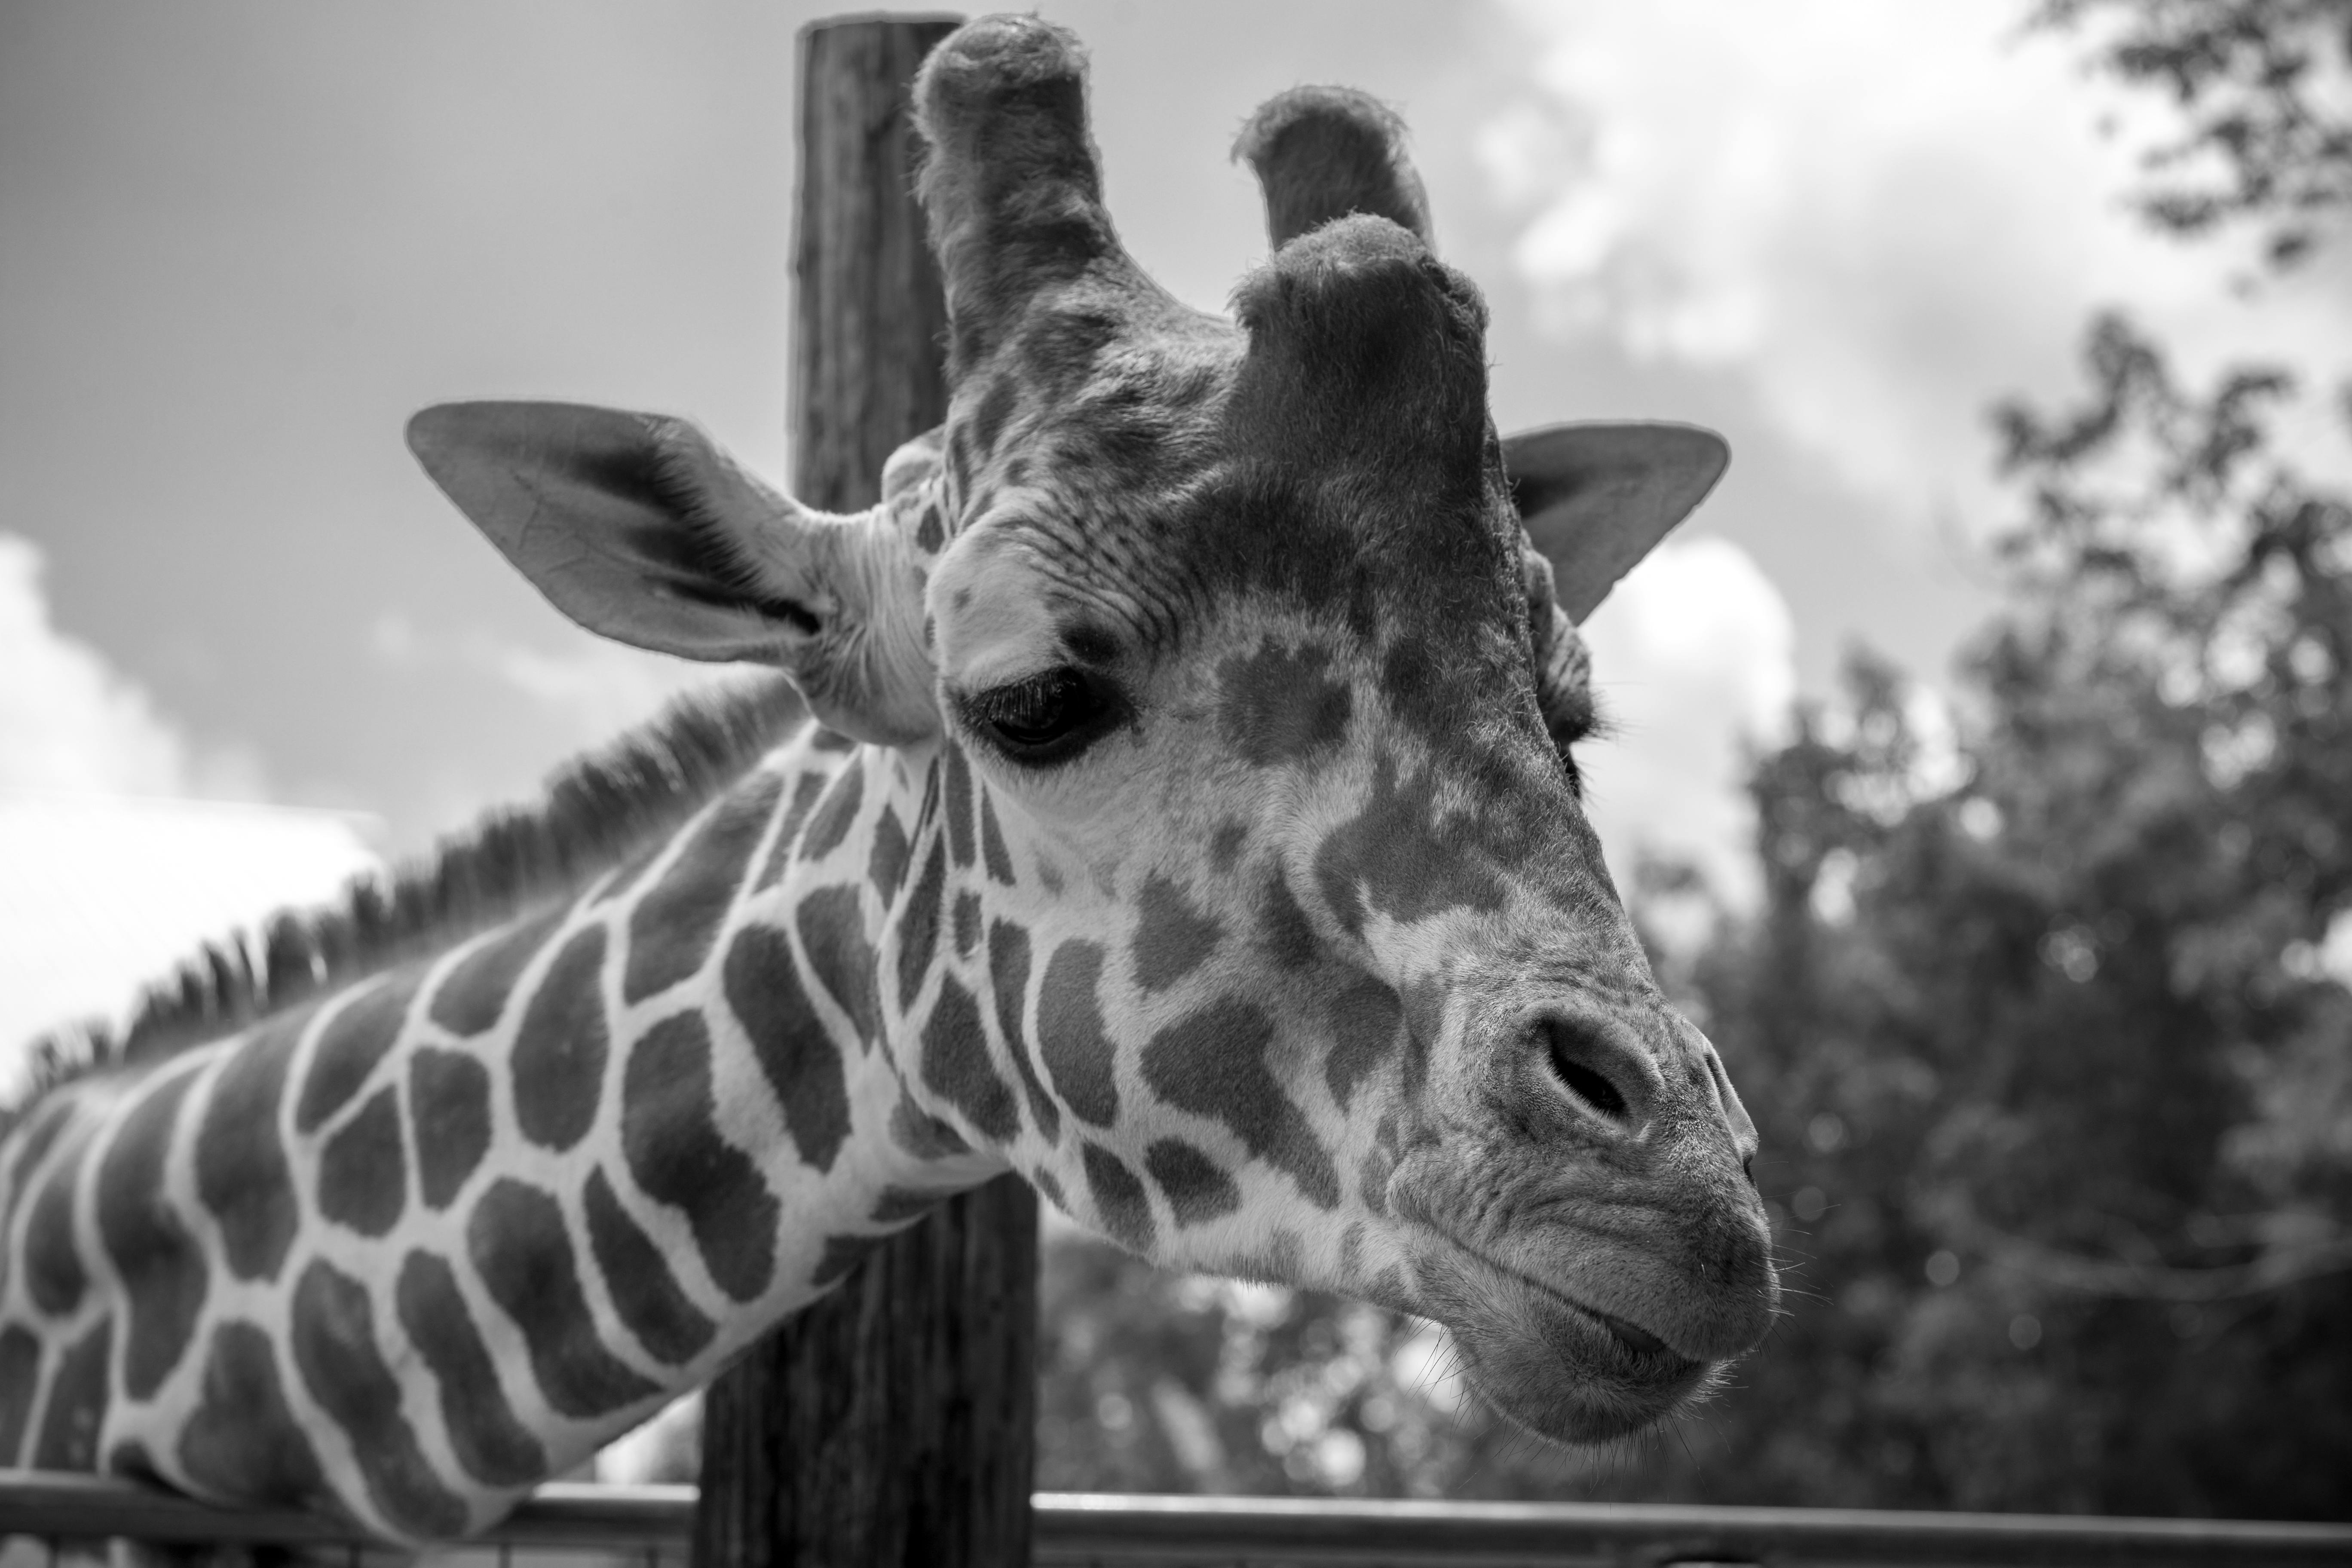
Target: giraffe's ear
{"x": 1596, "y": 498}
{"x": 641, "y": 530}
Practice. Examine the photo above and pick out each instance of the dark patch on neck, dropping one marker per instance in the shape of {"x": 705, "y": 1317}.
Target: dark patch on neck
{"x": 160, "y": 1266}
{"x": 832, "y": 925}
{"x": 242, "y": 1441}
{"x": 78, "y": 1403}
{"x": 958, "y": 805}
{"x": 334, "y": 1349}
{"x": 1071, "y": 1039}
{"x": 645, "y": 1292}
{"x": 918, "y": 927}
{"x": 490, "y": 1445}
{"x": 521, "y": 1248}
{"x": 677, "y": 1155}
{"x": 472, "y": 997}
{"x": 242, "y": 1175}
{"x": 957, "y": 1068}
{"x": 923, "y": 1135}
{"x": 449, "y": 1106}
{"x": 33, "y": 1137}
{"x": 801, "y": 1062}
{"x": 363, "y": 1169}
{"x": 53, "y": 1275}
{"x": 806, "y": 788}
{"x": 834, "y": 819}
{"x": 885, "y": 865}
{"x": 992, "y": 845}
{"x": 558, "y": 1061}
{"x": 674, "y": 926}
{"x": 20, "y": 1371}
{"x": 967, "y": 922}
{"x": 1008, "y": 981}
{"x": 352, "y": 1042}
{"x": 1213, "y": 1063}
{"x": 1197, "y": 1188}
{"x": 1124, "y": 1206}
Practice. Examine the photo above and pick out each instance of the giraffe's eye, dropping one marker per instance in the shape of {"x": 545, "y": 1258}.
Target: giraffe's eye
{"x": 1047, "y": 718}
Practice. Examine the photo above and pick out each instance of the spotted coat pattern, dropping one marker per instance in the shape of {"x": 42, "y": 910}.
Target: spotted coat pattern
{"x": 1298, "y": 963}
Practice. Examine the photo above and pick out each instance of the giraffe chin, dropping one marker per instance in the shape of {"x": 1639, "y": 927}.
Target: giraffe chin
{"x": 1561, "y": 1370}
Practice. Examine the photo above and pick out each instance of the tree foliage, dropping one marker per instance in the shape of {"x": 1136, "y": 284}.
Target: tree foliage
{"x": 2265, "y": 89}
{"x": 2059, "y": 1046}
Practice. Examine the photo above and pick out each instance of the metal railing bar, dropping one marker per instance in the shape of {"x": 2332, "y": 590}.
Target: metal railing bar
{"x": 1073, "y": 1527}
{"x": 1083, "y": 1527}
{"x": 562, "y": 1515}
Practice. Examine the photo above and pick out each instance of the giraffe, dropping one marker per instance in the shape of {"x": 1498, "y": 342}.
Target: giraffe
{"x": 1170, "y": 797}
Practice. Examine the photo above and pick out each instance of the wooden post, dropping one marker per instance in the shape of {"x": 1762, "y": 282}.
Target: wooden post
{"x": 893, "y": 1424}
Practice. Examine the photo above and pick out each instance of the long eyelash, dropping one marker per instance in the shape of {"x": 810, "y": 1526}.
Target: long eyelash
{"x": 1012, "y": 701}
{"x": 1599, "y": 725}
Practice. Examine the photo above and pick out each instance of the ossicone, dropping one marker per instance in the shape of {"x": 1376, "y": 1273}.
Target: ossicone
{"x": 1323, "y": 152}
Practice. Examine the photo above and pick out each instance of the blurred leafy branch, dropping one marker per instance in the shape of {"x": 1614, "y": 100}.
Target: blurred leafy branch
{"x": 2265, "y": 88}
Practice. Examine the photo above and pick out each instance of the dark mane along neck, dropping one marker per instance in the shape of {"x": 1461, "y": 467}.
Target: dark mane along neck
{"x": 594, "y": 812}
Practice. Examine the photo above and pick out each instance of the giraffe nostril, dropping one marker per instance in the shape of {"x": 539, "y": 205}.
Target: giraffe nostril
{"x": 1577, "y": 1059}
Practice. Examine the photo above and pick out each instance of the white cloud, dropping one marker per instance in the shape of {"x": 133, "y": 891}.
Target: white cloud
{"x": 108, "y": 875}
{"x": 603, "y": 688}
{"x": 1694, "y": 659}
{"x": 1883, "y": 216}
{"x": 598, "y": 689}
{"x": 105, "y": 893}
{"x": 67, "y": 722}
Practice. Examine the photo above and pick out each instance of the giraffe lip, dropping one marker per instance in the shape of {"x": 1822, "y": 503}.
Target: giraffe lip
{"x": 1549, "y": 1364}
{"x": 1639, "y": 1341}
{"x": 1647, "y": 1349}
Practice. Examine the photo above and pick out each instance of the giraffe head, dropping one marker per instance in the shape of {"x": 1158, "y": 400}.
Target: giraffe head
{"x": 1234, "y": 663}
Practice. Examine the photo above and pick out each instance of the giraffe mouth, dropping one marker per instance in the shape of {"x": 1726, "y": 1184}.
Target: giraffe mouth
{"x": 1635, "y": 1340}
{"x": 1556, "y": 1366}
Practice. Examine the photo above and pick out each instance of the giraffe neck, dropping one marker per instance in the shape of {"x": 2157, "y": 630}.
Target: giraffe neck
{"x": 409, "y": 1251}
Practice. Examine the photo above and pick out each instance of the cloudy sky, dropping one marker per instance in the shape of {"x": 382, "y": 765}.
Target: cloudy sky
{"x": 239, "y": 243}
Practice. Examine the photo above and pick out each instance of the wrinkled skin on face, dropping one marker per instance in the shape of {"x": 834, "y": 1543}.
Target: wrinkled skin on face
{"x": 1238, "y": 656}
